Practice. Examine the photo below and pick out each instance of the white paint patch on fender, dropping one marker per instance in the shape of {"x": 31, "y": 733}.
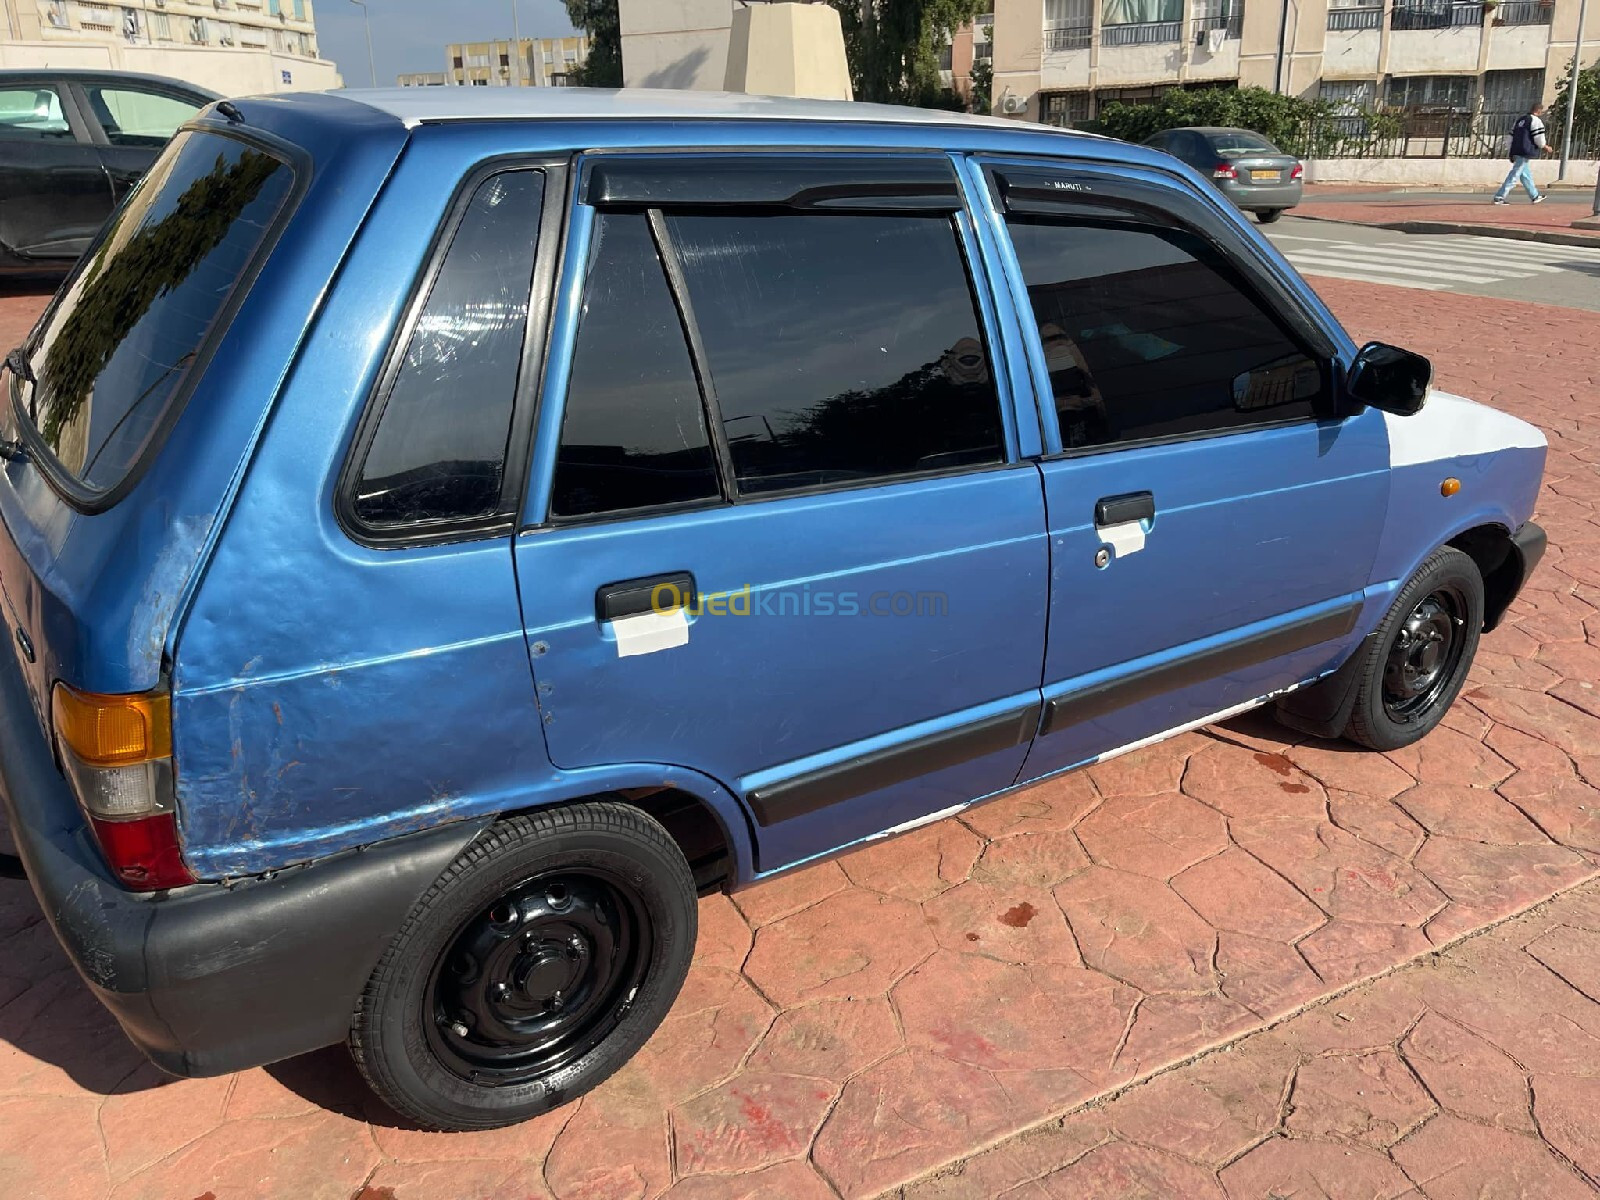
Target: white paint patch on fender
{"x": 1124, "y": 538}
{"x": 1450, "y": 426}
{"x": 645, "y": 633}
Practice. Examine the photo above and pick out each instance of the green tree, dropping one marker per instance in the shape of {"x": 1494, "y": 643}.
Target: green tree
{"x": 597, "y": 18}
{"x": 1586, "y": 120}
{"x": 893, "y": 46}
{"x": 982, "y": 86}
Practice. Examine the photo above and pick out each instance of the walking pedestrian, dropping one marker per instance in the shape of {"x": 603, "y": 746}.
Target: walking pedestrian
{"x": 1527, "y": 143}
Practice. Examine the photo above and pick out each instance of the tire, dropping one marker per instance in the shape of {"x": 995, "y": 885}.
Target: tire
{"x": 1268, "y": 216}
{"x": 1420, "y": 658}
{"x": 533, "y": 968}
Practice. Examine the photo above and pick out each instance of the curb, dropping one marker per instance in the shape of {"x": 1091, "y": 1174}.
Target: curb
{"x": 1554, "y": 237}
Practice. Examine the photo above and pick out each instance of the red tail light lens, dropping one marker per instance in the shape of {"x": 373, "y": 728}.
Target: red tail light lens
{"x": 1299, "y": 170}
{"x": 1224, "y": 171}
{"x": 143, "y": 853}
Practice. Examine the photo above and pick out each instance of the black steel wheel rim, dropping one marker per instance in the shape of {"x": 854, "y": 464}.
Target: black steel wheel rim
{"x": 1425, "y": 654}
{"x": 539, "y": 978}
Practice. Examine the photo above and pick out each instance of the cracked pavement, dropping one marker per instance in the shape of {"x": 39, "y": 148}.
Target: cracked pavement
{"x": 1238, "y": 963}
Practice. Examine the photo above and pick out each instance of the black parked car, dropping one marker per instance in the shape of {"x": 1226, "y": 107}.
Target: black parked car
{"x": 1247, "y": 168}
{"x": 71, "y": 145}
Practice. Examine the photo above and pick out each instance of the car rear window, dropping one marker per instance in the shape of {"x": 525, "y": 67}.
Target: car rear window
{"x": 1240, "y": 142}
{"x": 112, "y": 357}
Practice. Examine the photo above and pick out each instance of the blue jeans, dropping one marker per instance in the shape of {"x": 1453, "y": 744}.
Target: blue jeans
{"x": 1519, "y": 173}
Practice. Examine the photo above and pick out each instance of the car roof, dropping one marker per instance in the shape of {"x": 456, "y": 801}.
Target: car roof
{"x": 1210, "y": 129}
{"x": 426, "y": 105}
{"x": 21, "y": 74}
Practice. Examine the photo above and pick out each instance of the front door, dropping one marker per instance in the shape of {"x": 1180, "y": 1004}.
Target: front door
{"x": 54, "y": 194}
{"x": 1212, "y": 528}
{"x": 779, "y": 528}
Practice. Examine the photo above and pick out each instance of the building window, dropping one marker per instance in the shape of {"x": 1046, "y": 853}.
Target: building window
{"x": 198, "y": 33}
{"x": 1512, "y": 92}
{"x": 1064, "y": 109}
{"x": 161, "y": 27}
{"x": 97, "y": 17}
{"x": 1524, "y": 12}
{"x": 1431, "y": 93}
{"x": 1347, "y": 96}
{"x": 1068, "y": 24}
{"x": 55, "y": 14}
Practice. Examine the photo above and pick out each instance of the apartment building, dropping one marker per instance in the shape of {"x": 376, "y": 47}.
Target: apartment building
{"x": 236, "y": 47}
{"x": 968, "y": 46}
{"x": 1060, "y": 61}
{"x": 543, "y": 62}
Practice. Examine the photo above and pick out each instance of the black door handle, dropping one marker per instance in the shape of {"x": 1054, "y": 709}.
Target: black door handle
{"x": 1118, "y": 510}
{"x": 653, "y": 593}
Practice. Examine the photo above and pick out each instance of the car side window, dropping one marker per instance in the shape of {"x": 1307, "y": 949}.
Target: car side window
{"x": 634, "y": 432}
{"x": 839, "y": 347}
{"x": 1148, "y": 333}
{"x": 439, "y": 451}
{"x": 134, "y": 117}
{"x": 30, "y": 114}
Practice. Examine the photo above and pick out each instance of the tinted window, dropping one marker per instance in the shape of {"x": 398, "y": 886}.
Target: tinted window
{"x": 634, "y": 434}
{"x": 124, "y": 334}
{"x": 840, "y": 347}
{"x": 137, "y": 118}
{"x": 32, "y": 114}
{"x": 1147, "y": 334}
{"x": 1241, "y": 141}
{"x": 440, "y": 449}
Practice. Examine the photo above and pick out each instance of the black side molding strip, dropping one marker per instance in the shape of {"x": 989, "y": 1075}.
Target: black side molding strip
{"x": 1196, "y": 668}
{"x": 883, "y": 768}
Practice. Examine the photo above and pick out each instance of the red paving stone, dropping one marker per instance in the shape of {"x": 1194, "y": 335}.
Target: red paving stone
{"x": 1518, "y": 215}
{"x": 952, "y": 1013}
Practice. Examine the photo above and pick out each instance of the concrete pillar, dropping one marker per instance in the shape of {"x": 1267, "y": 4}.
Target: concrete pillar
{"x": 788, "y": 50}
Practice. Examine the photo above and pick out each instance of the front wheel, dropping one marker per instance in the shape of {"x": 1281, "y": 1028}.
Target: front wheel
{"x": 1268, "y": 216}
{"x": 531, "y": 970}
{"x": 1419, "y": 660}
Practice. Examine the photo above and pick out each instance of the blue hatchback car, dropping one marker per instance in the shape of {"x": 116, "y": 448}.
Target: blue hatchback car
{"x": 447, "y": 530}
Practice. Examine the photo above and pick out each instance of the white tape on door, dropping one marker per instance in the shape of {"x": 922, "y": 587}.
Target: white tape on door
{"x": 645, "y": 633}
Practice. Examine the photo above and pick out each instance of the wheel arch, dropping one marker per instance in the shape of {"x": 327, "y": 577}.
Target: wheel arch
{"x": 1490, "y": 547}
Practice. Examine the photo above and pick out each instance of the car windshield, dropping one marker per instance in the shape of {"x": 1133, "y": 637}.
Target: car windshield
{"x": 1241, "y": 141}
{"x": 113, "y": 354}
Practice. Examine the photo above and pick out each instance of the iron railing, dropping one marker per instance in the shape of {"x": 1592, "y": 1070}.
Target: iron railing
{"x": 1400, "y": 134}
{"x": 1523, "y": 12}
{"x": 1423, "y": 14}
{"x": 1069, "y": 37}
{"x": 1341, "y": 19}
{"x": 1229, "y": 23}
{"x": 1143, "y": 33}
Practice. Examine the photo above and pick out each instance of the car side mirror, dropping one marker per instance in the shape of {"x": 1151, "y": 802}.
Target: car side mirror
{"x": 1387, "y": 378}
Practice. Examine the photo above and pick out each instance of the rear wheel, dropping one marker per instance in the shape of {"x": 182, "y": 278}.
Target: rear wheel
{"x": 1268, "y": 216}
{"x": 1419, "y": 660}
{"x": 536, "y": 965}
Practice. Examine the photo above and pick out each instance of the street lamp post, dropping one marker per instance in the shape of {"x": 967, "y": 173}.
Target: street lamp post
{"x": 516, "y": 48}
{"x": 1572, "y": 87}
{"x": 372, "y": 68}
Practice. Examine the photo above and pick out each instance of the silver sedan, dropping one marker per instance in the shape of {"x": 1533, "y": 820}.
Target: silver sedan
{"x": 1249, "y": 170}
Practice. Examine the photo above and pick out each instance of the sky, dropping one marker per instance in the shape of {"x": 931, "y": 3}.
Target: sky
{"x": 410, "y": 35}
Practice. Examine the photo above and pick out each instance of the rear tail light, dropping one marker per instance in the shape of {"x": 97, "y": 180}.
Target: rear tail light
{"x": 117, "y": 751}
{"x": 1299, "y": 170}
{"x": 1224, "y": 171}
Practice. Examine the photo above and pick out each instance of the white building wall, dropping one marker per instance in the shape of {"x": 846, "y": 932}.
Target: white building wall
{"x": 228, "y": 72}
{"x": 675, "y": 43}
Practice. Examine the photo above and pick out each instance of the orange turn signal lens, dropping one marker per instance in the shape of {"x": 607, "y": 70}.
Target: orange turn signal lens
{"x": 113, "y": 731}
{"x": 1450, "y": 486}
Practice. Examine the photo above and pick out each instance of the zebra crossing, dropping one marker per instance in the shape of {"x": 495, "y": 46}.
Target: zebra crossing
{"x": 1433, "y": 262}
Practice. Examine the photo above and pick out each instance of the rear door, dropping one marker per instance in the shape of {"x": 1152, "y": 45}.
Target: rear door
{"x": 54, "y": 193}
{"x": 1212, "y": 527}
{"x": 780, "y": 530}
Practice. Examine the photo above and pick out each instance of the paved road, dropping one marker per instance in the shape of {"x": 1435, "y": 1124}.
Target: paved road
{"x": 1568, "y": 276}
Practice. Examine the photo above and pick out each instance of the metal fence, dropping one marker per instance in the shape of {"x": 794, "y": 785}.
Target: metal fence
{"x": 1231, "y": 25}
{"x": 1392, "y": 134}
{"x": 1144, "y": 33}
{"x": 1523, "y": 12}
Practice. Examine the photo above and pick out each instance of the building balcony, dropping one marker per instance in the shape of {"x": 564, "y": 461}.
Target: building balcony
{"x": 1069, "y": 37}
{"x": 1349, "y": 20}
{"x": 1230, "y": 24}
{"x": 1421, "y": 14}
{"x": 1523, "y": 12}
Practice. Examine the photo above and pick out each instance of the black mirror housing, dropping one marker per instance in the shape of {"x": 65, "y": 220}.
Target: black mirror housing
{"x": 1387, "y": 378}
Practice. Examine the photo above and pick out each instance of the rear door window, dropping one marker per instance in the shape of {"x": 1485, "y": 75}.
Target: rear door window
{"x": 115, "y": 352}
{"x": 136, "y": 116}
{"x": 32, "y": 114}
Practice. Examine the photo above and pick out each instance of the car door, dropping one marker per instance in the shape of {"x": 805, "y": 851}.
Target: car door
{"x": 134, "y": 121}
{"x": 779, "y": 529}
{"x": 1212, "y": 524}
{"x": 54, "y": 193}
